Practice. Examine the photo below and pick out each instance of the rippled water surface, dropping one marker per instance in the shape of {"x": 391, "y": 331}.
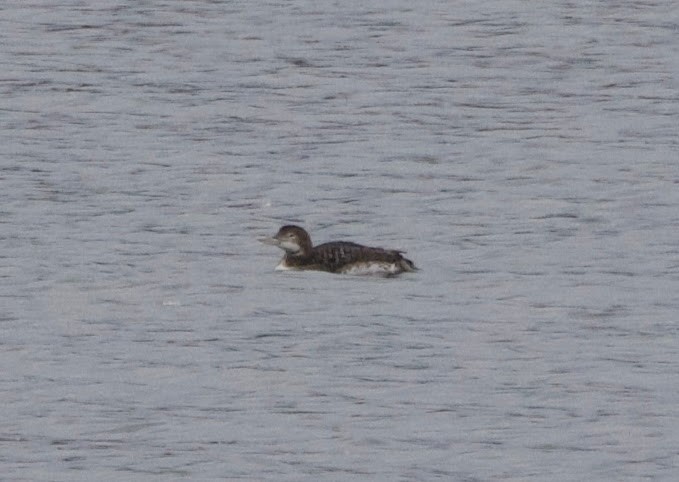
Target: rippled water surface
{"x": 524, "y": 154}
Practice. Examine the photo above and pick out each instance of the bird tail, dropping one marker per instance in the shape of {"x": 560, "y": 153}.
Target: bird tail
{"x": 407, "y": 265}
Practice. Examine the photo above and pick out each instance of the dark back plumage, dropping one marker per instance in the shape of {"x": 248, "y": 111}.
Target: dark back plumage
{"x": 338, "y": 255}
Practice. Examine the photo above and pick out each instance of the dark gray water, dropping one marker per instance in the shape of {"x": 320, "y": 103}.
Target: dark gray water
{"x": 525, "y": 154}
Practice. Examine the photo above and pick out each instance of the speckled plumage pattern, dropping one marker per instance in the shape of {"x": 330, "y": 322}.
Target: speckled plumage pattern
{"x": 342, "y": 256}
{"x": 337, "y": 256}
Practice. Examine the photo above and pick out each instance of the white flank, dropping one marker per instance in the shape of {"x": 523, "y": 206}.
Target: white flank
{"x": 371, "y": 268}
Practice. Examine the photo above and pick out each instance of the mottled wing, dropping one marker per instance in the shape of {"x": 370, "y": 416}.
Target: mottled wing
{"x": 338, "y": 255}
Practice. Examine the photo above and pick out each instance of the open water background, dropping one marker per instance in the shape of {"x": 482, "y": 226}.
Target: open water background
{"x": 525, "y": 154}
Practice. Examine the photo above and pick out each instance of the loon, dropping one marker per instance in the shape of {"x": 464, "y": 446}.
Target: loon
{"x": 335, "y": 257}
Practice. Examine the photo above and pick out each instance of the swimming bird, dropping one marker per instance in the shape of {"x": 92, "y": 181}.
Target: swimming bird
{"x": 335, "y": 257}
